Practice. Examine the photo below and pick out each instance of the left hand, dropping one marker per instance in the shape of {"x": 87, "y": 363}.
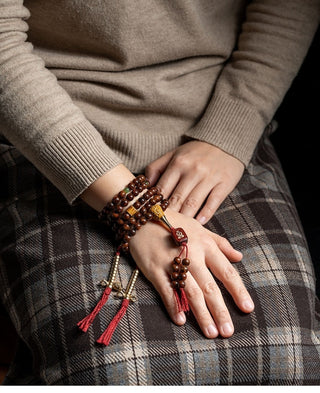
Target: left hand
{"x": 194, "y": 173}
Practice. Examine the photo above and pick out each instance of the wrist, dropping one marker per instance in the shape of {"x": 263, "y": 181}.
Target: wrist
{"x": 101, "y": 191}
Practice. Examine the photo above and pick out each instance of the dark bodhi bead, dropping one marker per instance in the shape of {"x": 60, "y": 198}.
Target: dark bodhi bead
{"x": 130, "y": 196}
{"x": 135, "y": 192}
{"x": 183, "y": 276}
{"x": 122, "y": 194}
{"x": 174, "y": 276}
{"x": 141, "y": 178}
{"x": 137, "y": 225}
{"x": 119, "y": 209}
{"x": 124, "y": 202}
{"x": 148, "y": 216}
{"x": 143, "y": 210}
{"x": 186, "y": 262}
{"x": 126, "y": 227}
{"x": 138, "y": 215}
{"x": 147, "y": 206}
{"x": 126, "y": 237}
{"x": 137, "y": 205}
{"x": 116, "y": 200}
{"x": 177, "y": 260}
{"x": 154, "y": 190}
{"x": 184, "y": 269}
{"x": 126, "y": 216}
{"x": 143, "y": 221}
{"x": 182, "y": 284}
{"x": 132, "y": 232}
{"x": 175, "y": 267}
{"x": 175, "y": 284}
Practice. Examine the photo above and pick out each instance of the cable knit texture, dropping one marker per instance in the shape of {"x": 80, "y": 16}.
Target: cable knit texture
{"x": 87, "y": 85}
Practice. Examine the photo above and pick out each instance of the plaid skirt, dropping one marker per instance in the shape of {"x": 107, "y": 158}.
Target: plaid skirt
{"x": 53, "y": 256}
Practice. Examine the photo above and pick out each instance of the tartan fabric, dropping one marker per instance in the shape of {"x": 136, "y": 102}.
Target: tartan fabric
{"x": 53, "y": 255}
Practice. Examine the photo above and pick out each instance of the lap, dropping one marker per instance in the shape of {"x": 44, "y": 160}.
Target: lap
{"x": 53, "y": 255}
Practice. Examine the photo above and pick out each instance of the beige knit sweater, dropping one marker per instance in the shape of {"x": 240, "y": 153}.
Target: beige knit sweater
{"x": 85, "y": 85}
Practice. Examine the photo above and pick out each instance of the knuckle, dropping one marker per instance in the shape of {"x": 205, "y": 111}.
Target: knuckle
{"x": 222, "y": 314}
{"x": 210, "y": 288}
{"x": 176, "y": 199}
{"x": 199, "y": 167}
{"x": 204, "y": 318}
{"x": 194, "y": 292}
{"x": 209, "y": 209}
{"x": 242, "y": 292}
{"x": 191, "y": 202}
{"x": 180, "y": 160}
{"x": 224, "y": 242}
{"x": 229, "y": 273}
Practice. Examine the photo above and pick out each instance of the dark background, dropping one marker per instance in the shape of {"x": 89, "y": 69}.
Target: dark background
{"x": 297, "y": 144}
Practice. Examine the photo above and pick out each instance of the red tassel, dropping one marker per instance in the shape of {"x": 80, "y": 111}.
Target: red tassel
{"x": 184, "y": 301}
{"x": 105, "y": 338}
{"x": 177, "y": 300}
{"x": 85, "y": 323}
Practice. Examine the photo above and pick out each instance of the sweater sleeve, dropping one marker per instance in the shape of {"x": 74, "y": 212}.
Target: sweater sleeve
{"x": 38, "y": 116}
{"x": 273, "y": 41}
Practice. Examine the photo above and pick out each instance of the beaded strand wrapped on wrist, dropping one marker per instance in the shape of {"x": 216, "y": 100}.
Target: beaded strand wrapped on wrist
{"x": 126, "y": 213}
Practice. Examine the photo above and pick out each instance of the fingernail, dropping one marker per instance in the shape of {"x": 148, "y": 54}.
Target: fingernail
{"x": 181, "y": 318}
{"x": 248, "y": 305}
{"x": 212, "y": 331}
{"x": 227, "y": 329}
{"x": 202, "y": 219}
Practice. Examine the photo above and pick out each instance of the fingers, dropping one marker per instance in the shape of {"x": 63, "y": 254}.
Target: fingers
{"x": 181, "y": 196}
{"x": 224, "y": 245}
{"x": 206, "y": 300}
{"x": 157, "y": 167}
{"x": 208, "y": 306}
{"x": 214, "y": 200}
{"x": 194, "y": 199}
{"x": 228, "y": 275}
{"x": 163, "y": 286}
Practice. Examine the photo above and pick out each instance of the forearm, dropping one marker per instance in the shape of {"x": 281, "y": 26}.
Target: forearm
{"x": 39, "y": 117}
{"x": 274, "y": 39}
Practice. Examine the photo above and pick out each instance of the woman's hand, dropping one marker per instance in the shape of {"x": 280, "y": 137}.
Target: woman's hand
{"x": 194, "y": 173}
{"x": 153, "y": 251}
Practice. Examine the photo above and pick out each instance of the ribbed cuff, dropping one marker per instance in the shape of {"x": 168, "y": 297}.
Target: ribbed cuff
{"x": 76, "y": 159}
{"x": 230, "y": 125}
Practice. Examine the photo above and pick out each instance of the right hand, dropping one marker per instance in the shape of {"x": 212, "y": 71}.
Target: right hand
{"x": 153, "y": 251}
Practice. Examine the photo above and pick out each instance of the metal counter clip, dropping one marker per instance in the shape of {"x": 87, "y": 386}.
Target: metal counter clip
{"x": 111, "y": 283}
{"x": 127, "y": 294}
